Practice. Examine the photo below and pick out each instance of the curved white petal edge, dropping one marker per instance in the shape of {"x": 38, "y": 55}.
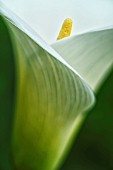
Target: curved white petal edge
{"x": 90, "y": 53}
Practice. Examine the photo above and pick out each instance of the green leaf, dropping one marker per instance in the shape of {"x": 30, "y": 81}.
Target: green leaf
{"x": 50, "y": 100}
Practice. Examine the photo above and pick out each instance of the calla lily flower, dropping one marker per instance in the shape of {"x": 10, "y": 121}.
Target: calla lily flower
{"x": 48, "y": 89}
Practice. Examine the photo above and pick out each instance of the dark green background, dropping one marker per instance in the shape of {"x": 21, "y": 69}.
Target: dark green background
{"x": 7, "y": 84}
